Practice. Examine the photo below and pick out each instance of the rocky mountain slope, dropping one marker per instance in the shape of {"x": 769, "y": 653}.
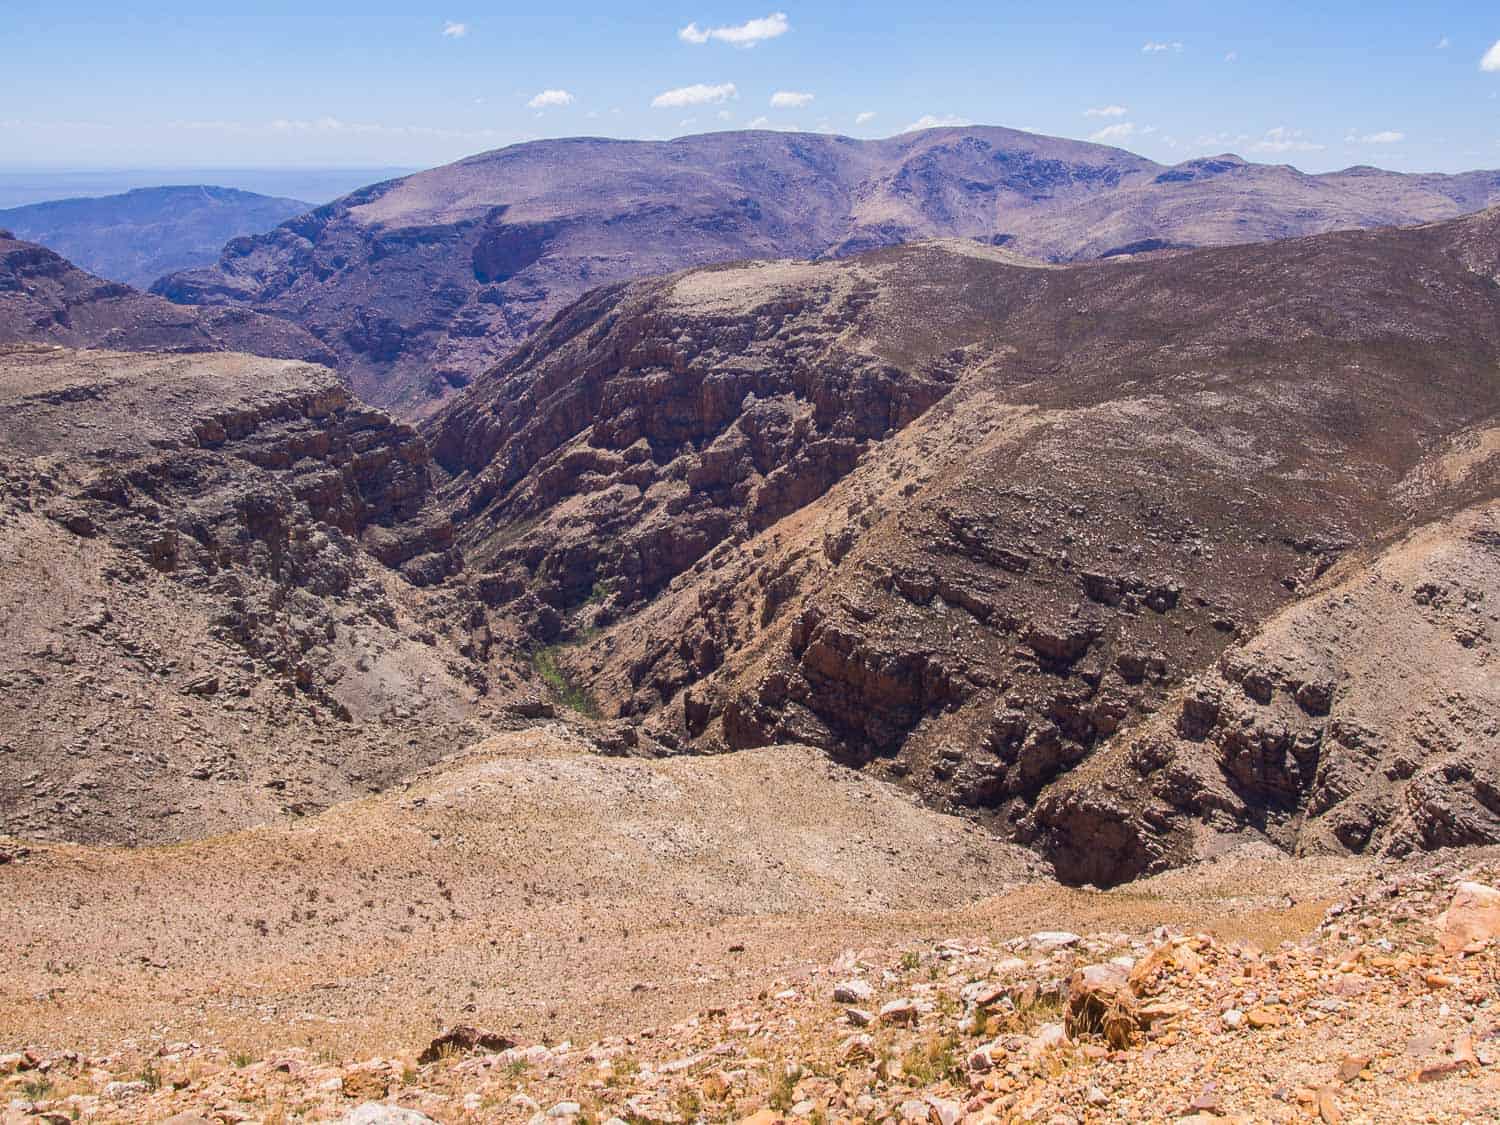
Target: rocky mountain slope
{"x": 1209, "y": 995}
{"x": 44, "y": 298}
{"x": 139, "y": 235}
{"x": 418, "y": 284}
{"x": 213, "y": 594}
{"x": 1019, "y": 535}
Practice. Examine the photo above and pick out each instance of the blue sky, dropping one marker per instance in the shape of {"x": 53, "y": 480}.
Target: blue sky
{"x": 91, "y": 84}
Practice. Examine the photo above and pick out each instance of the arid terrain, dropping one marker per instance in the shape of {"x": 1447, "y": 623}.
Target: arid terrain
{"x": 44, "y": 298}
{"x": 1026, "y": 656}
{"x": 418, "y": 284}
{"x": 969, "y": 521}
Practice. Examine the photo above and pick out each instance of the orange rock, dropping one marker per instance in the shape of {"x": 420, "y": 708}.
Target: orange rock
{"x": 1328, "y": 1109}
{"x": 1352, "y": 1067}
{"x": 1474, "y": 915}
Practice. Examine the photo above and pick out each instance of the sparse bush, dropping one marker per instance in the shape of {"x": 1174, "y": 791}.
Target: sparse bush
{"x": 573, "y": 697}
{"x": 940, "y": 1058}
{"x": 783, "y": 1090}
{"x": 35, "y": 1089}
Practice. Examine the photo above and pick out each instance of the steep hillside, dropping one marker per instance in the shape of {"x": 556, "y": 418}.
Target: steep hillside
{"x": 44, "y": 298}
{"x": 420, "y": 283}
{"x": 968, "y": 520}
{"x": 137, "y": 236}
{"x": 213, "y": 595}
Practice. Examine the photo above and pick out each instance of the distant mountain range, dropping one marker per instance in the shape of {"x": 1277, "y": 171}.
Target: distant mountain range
{"x": 140, "y": 235}
{"x": 420, "y": 283}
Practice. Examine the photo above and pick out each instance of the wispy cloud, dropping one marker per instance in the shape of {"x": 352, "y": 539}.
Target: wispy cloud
{"x": 746, "y": 34}
{"x": 790, "y": 99}
{"x": 1156, "y": 47}
{"x": 1282, "y": 139}
{"x": 1116, "y": 132}
{"x": 1491, "y": 60}
{"x": 936, "y": 121}
{"x": 1442, "y": 44}
{"x": 865, "y": 118}
{"x": 698, "y": 94}
{"x": 1232, "y": 56}
{"x": 1384, "y": 137}
{"x": 452, "y": 30}
{"x": 1106, "y": 111}
{"x": 550, "y": 99}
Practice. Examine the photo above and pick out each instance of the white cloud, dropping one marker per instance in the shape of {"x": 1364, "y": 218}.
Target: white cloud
{"x": 698, "y": 94}
{"x": 1491, "y": 60}
{"x": 1282, "y": 139}
{"x": 1384, "y": 137}
{"x": 790, "y": 99}
{"x": 1232, "y": 56}
{"x": 549, "y": 99}
{"x": 1154, "y": 47}
{"x": 932, "y": 121}
{"x": 1117, "y": 132}
{"x": 453, "y": 30}
{"x": 1443, "y": 43}
{"x": 1106, "y": 111}
{"x": 746, "y": 34}
{"x": 723, "y": 115}
{"x": 865, "y": 118}
{"x": 759, "y": 123}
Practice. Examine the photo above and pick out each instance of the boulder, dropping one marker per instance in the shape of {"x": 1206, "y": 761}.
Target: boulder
{"x": 1473, "y": 916}
{"x": 462, "y": 1040}
{"x": 1101, "y": 1002}
{"x": 852, "y": 992}
{"x": 378, "y": 1113}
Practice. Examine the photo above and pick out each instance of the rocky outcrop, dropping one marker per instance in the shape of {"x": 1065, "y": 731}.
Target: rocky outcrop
{"x": 680, "y": 433}
{"x": 224, "y": 589}
{"x": 1361, "y": 719}
{"x": 418, "y": 285}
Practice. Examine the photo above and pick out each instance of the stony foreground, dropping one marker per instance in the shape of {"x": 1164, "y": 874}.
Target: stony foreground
{"x": 1386, "y": 1011}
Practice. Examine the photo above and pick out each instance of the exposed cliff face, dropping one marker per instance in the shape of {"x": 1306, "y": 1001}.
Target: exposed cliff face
{"x": 419, "y": 284}
{"x": 44, "y": 298}
{"x": 652, "y": 424}
{"x": 1004, "y": 513}
{"x": 1363, "y": 718}
{"x": 214, "y": 594}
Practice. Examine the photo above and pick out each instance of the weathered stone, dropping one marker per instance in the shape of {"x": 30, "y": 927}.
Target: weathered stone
{"x": 1473, "y": 916}
{"x": 901, "y": 1012}
{"x": 852, "y": 992}
{"x": 377, "y": 1113}
{"x": 1100, "y": 1002}
{"x": 462, "y": 1040}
